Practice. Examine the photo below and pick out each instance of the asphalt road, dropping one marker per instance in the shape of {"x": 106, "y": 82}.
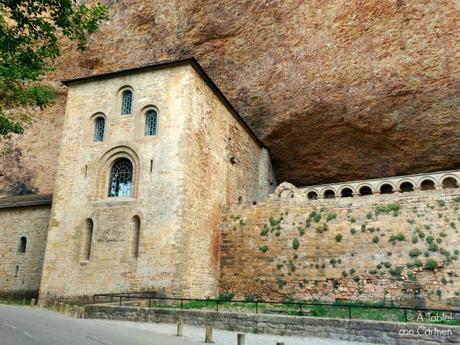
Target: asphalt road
{"x": 29, "y": 326}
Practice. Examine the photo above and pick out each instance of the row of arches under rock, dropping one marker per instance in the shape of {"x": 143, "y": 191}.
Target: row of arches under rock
{"x": 386, "y": 188}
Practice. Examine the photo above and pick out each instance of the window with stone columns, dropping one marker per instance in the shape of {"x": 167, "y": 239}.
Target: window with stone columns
{"x": 126, "y": 102}
{"x": 121, "y": 178}
{"x": 150, "y": 122}
{"x": 99, "y": 128}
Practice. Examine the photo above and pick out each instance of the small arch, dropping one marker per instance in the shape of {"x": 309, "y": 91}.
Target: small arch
{"x": 150, "y": 122}
{"x": 365, "y": 190}
{"x": 121, "y": 178}
{"x": 346, "y": 192}
{"x": 406, "y": 187}
{"x": 87, "y": 239}
{"x": 329, "y": 194}
{"x": 449, "y": 182}
{"x": 427, "y": 184}
{"x": 126, "y": 102}
{"x": 312, "y": 195}
{"x": 99, "y": 128}
{"x": 136, "y": 231}
{"x": 386, "y": 188}
{"x": 22, "y": 247}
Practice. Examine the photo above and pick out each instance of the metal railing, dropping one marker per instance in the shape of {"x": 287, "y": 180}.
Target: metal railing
{"x": 293, "y": 308}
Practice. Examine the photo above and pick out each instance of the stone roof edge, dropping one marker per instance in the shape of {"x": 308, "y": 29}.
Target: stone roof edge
{"x": 26, "y": 200}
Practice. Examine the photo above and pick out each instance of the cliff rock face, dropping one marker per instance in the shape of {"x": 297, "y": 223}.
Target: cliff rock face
{"x": 336, "y": 90}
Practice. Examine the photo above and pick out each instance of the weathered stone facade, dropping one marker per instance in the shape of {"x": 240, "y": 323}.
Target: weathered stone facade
{"x": 370, "y": 248}
{"x": 201, "y": 158}
{"x": 21, "y": 263}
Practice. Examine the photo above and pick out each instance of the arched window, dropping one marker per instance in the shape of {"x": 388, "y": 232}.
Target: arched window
{"x": 121, "y": 178}
{"x": 99, "y": 126}
{"x": 126, "y": 102}
{"x": 312, "y": 195}
{"x": 346, "y": 193}
{"x": 386, "y": 188}
{"x": 22, "y": 244}
{"x": 329, "y": 194}
{"x": 406, "y": 187}
{"x": 87, "y": 239}
{"x": 427, "y": 185}
{"x": 449, "y": 182}
{"x": 151, "y": 122}
{"x": 136, "y": 224}
{"x": 365, "y": 190}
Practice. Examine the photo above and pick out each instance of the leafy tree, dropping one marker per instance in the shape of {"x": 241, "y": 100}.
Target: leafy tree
{"x": 29, "y": 41}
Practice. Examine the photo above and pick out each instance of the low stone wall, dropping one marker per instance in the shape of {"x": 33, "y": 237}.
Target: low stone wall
{"x": 355, "y": 330}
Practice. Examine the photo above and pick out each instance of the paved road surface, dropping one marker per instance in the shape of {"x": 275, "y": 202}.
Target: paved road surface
{"x": 29, "y": 326}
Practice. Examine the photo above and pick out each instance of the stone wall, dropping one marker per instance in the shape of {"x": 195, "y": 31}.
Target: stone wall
{"x": 354, "y": 330}
{"x": 402, "y": 247}
{"x": 20, "y": 273}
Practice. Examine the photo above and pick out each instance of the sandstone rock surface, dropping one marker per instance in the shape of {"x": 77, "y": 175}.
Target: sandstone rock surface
{"x": 336, "y": 90}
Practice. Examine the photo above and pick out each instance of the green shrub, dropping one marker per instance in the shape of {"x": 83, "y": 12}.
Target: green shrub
{"x": 281, "y": 282}
{"x": 277, "y": 233}
{"x": 338, "y": 237}
{"x": 375, "y": 239}
{"x": 387, "y": 264}
{"x": 332, "y": 261}
{"x": 397, "y": 238}
{"x": 264, "y": 231}
{"x": 292, "y": 266}
{"x": 263, "y": 248}
{"x": 301, "y": 231}
{"x": 452, "y": 225}
{"x": 279, "y": 266}
{"x": 429, "y": 239}
{"x": 442, "y": 234}
{"x": 457, "y": 199}
{"x": 444, "y": 280}
{"x": 226, "y": 296}
{"x": 418, "y": 263}
{"x": 431, "y": 264}
{"x": 421, "y": 234}
{"x": 352, "y": 271}
{"x": 295, "y": 243}
{"x": 352, "y": 220}
{"x": 414, "y": 239}
{"x": 396, "y": 271}
{"x": 373, "y": 271}
{"x": 330, "y": 217}
{"x": 432, "y": 247}
{"x": 369, "y": 215}
{"x": 353, "y": 231}
{"x": 344, "y": 274}
{"x": 441, "y": 203}
{"x": 413, "y": 253}
{"x": 363, "y": 228}
{"x": 394, "y": 208}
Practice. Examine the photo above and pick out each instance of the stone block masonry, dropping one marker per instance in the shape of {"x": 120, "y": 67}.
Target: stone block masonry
{"x": 21, "y": 263}
{"x": 354, "y": 330}
{"x": 401, "y": 247}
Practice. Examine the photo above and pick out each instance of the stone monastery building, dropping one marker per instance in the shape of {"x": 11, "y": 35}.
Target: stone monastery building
{"x": 161, "y": 186}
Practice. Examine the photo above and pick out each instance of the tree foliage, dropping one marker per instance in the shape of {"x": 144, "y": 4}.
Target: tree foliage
{"x": 29, "y": 41}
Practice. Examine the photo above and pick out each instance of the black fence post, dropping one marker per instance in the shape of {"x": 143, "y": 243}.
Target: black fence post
{"x": 300, "y": 309}
{"x": 150, "y": 301}
{"x": 349, "y": 312}
{"x": 217, "y": 305}
{"x": 257, "y": 307}
{"x": 120, "y": 301}
{"x": 181, "y": 303}
{"x": 405, "y": 314}
{"x": 94, "y": 299}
